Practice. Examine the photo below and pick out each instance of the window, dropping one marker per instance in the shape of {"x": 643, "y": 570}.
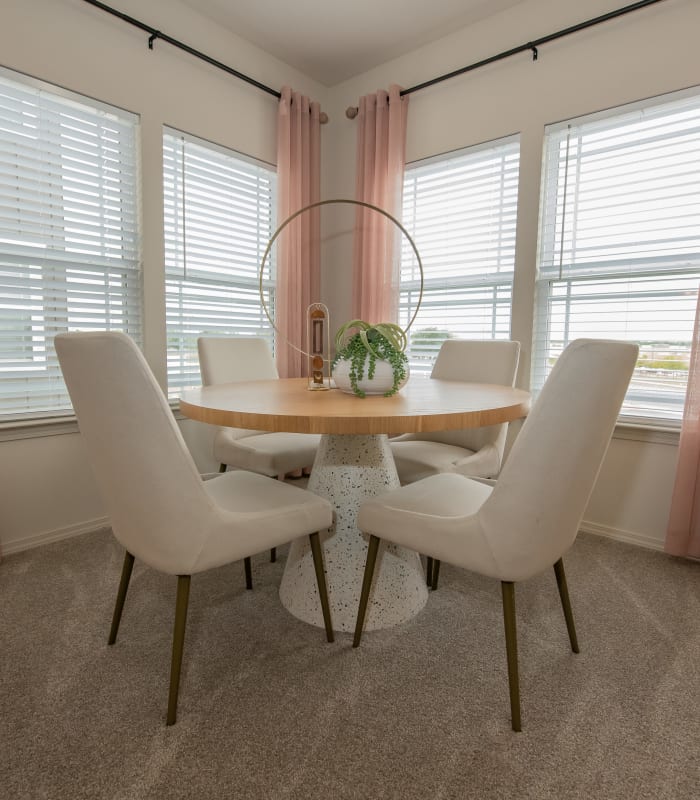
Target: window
{"x": 619, "y": 248}
{"x": 69, "y": 248}
{"x": 460, "y": 209}
{"x": 219, "y": 217}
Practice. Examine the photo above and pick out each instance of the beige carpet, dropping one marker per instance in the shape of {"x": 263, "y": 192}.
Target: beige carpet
{"x": 268, "y": 709}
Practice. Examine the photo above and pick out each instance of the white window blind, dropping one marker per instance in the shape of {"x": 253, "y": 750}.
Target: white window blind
{"x": 461, "y": 211}
{"x": 619, "y": 248}
{"x": 69, "y": 246}
{"x": 219, "y": 217}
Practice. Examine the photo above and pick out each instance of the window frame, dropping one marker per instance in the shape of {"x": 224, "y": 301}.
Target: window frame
{"x": 180, "y": 280}
{"x": 78, "y": 228}
{"x": 641, "y": 267}
{"x": 491, "y": 289}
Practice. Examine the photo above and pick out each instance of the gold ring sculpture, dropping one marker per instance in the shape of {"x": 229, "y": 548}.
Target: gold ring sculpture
{"x": 324, "y": 203}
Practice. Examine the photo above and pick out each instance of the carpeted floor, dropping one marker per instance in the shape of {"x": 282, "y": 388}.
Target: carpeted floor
{"x": 269, "y": 710}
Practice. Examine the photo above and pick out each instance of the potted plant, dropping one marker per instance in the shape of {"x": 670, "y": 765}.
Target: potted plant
{"x": 372, "y": 360}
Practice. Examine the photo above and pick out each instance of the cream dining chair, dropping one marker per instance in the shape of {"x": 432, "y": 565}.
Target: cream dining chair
{"x": 473, "y": 452}
{"x": 227, "y": 359}
{"x": 168, "y": 516}
{"x": 525, "y": 522}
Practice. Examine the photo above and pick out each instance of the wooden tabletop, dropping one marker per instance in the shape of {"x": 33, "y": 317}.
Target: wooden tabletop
{"x": 423, "y": 404}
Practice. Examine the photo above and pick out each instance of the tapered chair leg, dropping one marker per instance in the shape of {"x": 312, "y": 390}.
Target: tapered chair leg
{"x": 121, "y": 596}
{"x": 429, "y": 570}
{"x": 508, "y": 592}
{"x": 183, "y": 596}
{"x": 436, "y": 574}
{"x": 566, "y": 604}
{"x": 273, "y": 550}
{"x": 366, "y": 584}
{"x": 248, "y": 573}
{"x": 321, "y": 581}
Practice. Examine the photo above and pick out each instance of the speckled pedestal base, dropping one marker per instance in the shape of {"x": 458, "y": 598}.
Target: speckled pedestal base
{"x": 347, "y": 471}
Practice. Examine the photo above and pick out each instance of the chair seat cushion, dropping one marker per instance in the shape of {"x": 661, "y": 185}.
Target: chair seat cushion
{"x": 416, "y": 459}
{"x": 266, "y": 453}
{"x": 436, "y": 516}
{"x": 258, "y": 513}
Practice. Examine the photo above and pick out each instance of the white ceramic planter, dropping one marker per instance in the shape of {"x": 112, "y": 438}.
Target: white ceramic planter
{"x": 381, "y": 383}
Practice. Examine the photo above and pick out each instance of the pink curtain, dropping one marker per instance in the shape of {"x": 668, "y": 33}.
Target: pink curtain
{"x": 381, "y": 158}
{"x": 298, "y": 251}
{"x": 683, "y": 534}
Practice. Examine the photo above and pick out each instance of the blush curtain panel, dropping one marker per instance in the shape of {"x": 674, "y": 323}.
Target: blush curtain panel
{"x": 683, "y": 534}
{"x": 381, "y": 158}
{"x": 298, "y": 251}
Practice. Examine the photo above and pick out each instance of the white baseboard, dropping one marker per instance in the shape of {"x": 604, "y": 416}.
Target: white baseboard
{"x": 46, "y": 537}
{"x": 630, "y": 537}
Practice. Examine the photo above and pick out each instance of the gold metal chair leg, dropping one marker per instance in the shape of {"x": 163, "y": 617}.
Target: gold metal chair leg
{"x": 183, "y": 595}
{"x": 366, "y": 584}
{"x": 121, "y": 596}
{"x": 566, "y": 604}
{"x": 436, "y": 573}
{"x": 429, "y": 570}
{"x": 273, "y": 550}
{"x": 508, "y": 592}
{"x": 248, "y": 573}
{"x": 321, "y": 581}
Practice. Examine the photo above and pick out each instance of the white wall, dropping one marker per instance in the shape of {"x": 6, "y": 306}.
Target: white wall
{"x": 648, "y": 52}
{"x": 46, "y": 487}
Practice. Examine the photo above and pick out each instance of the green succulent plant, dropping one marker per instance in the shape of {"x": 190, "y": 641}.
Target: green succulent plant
{"x": 385, "y": 341}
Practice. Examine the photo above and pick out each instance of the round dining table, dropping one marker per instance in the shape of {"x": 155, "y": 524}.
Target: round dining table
{"x": 353, "y": 463}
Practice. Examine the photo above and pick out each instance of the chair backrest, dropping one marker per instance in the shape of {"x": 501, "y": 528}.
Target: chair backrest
{"x": 532, "y": 516}
{"x": 479, "y": 361}
{"x": 146, "y": 475}
{"x": 226, "y": 359}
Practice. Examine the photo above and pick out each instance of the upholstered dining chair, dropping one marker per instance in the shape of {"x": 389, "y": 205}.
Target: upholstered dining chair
{"x": 474, "y": 452}
{"x": 227, "y": 359}
{"x": 527, "y": 521}
{"x": 168, "y": 516}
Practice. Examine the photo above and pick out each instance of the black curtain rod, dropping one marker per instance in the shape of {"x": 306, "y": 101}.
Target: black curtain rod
{"x": 351, "y": 112}
{"x": 533, "y": 45}
{"x": 156, "y": 34}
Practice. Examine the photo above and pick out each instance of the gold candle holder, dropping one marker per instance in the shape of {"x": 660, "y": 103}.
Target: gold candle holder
{"x": 318, "y": 338}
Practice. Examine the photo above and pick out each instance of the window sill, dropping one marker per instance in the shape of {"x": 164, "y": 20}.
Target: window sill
{"x": 38, "y": 428}
{"x": 49, "y": 426}
{"x": 647, "y": 432}
{"x": 58, "y": 426}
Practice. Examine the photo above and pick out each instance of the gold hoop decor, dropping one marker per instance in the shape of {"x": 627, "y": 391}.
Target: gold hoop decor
{"x": 317, "y": 205}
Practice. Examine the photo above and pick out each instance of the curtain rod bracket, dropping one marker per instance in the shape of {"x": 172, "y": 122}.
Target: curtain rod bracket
{"x": 535, "y": 53}
{"x": 152, "y": 38}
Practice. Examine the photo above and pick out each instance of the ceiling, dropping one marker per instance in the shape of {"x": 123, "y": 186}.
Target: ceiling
{"x": 332, "y": 41}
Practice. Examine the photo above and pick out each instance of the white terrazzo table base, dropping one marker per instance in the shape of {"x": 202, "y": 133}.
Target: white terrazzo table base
{"x": 349, "y": 469}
